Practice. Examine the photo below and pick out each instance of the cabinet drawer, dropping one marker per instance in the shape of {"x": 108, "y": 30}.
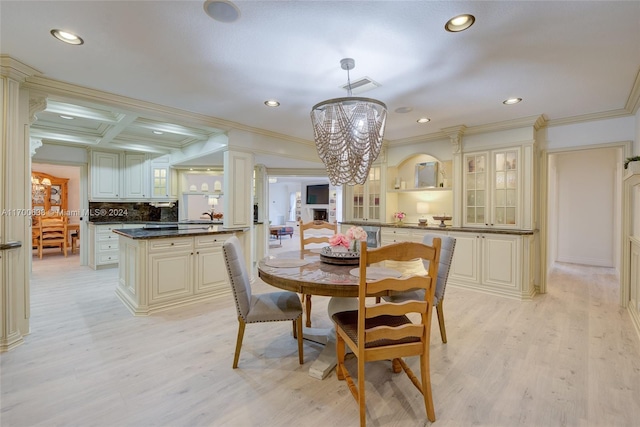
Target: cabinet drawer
{"x": 110, "y": 237}
{"x": 107, "y": 257}
{"x": 107, "y": 229}
{"x": 159, "y": 245}
{"x": 107, "y": 246}
{"x": 212, "y": 240}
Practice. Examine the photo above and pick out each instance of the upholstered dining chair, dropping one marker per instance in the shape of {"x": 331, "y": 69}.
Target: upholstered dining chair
{"x": 53, "y": 232}
{"x": 382, "y": 330}
{"x": 306, "y": 239}
{"x": 252, "y": 308}
{"x": 446, "y": 256}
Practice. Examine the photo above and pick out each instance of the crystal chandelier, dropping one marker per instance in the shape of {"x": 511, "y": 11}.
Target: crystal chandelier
{"x": 348, "y": 134}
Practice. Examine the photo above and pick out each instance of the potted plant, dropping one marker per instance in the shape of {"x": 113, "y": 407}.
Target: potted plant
{"x": 635, "y": 167}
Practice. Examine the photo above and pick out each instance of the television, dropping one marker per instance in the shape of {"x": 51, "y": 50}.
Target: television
{"x": 318, "y": 194}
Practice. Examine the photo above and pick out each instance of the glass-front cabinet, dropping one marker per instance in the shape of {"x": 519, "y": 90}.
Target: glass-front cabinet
{"x": 364, "y": 201}
{"x": 492, "y": 188}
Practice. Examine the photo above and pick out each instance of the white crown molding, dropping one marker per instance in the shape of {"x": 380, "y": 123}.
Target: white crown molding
{"x": 633, "y": 102}
{"x": 15, "y": 69}
{"x": 612, "y": 114}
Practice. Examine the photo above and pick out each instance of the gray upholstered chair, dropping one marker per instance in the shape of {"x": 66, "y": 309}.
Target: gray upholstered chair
{"x": 268, "y": 307}
{"x": 446, "y": 255}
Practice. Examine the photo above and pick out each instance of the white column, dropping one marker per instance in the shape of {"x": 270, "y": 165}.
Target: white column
{"x": 15, "y": 202}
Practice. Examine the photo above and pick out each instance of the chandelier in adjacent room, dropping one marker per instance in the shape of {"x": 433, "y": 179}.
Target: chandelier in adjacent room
{"x": 348, "y": 133}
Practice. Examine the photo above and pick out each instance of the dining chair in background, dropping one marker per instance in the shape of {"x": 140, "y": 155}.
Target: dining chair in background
{"x": 383, "y": 331}
{"x": 446, "y": 256}
{"x": 53, "y": 232}
{"x": 267, "y": 307}
{"x": 307, "y": 239}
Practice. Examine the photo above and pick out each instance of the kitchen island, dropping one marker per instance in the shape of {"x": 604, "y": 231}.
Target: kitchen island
{"x": 172, "y": 266}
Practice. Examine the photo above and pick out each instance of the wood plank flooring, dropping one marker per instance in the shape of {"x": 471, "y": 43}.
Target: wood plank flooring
{"x": 568, "y": 358}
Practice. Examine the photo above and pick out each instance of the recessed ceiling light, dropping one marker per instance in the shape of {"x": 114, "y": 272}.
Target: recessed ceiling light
{"x": 62, "y": 116}
{"x": 271, "y": 103}
{"x": 511, "y": 101}
{"x": 403, "y": 110}
{"x": 157, "y": 132}
{"x": 221, "y": 10}
{"x": 459, "y": 23}
{"x": 423, "y": 120}
{"x": 67, "y": 37}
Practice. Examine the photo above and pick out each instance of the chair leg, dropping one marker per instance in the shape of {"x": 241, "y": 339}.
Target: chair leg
{"x": 340, "y": 357}
{"x": 443, "y": 332}
{"x": 307, "y": 308}
{"x": 426, "y": 386}
{"x": 299, "y": 336}
{"x": 361, "y": 403}
{"x": 295, "y": 330}
{"x": 241, "y": 325}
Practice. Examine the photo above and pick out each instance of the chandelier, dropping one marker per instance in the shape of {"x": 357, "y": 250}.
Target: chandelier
{"x": 348, "y": 134}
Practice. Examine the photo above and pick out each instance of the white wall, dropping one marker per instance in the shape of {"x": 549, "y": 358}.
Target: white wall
{"x": 279, "y": 203}
{"x": 586, "y": 206}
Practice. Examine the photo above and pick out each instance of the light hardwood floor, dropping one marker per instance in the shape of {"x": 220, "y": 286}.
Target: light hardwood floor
{"x": 568, "y": 358}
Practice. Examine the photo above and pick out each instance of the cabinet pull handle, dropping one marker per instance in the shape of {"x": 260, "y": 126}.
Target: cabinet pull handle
{"x": 172, "y": 244}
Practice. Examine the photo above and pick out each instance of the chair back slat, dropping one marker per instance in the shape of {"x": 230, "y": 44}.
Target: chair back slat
{"x": 316, "y": 225}
{"x": 398, "y": 285}
{"x": 396, "y": 309}
{"x": 393, "y": 333}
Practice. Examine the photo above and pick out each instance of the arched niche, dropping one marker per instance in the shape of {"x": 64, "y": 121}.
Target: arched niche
{"x": 420, "y": 172}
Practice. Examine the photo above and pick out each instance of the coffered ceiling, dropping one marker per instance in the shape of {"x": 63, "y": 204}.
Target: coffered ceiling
{"x": 192, "y": 77}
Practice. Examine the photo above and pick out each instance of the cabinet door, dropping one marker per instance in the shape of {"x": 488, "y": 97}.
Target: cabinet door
{"x": 505, "y": 187}
{"x": 170, "y": 275}
{"x": 211, "y": 273}
{"x": 136, "y": 176}
{"x": 105, "y": 175}
{"x": 465, "y": 265}
{"x": 160, "y": 182}
{"x": 500, "y": 256}
{"x": 476, "y": 168}
{"x": 365, "y": 201}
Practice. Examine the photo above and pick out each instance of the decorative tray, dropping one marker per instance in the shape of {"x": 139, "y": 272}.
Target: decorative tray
{"x": 339, "y": 258}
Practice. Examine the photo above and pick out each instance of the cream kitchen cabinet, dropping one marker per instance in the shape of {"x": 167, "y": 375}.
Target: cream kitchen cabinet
{"x": 103, "y": 245}
{"x": 158, "y": 274}
{"x": 493, "y": 263}
{"x": 365, "y": 202}
{"x": 131, "y": 176}
{"x": 493, "y": 189}
{"x": 136, "y": 176}
{"x": 104, "y": 175}
{"x": 390, "y": 235}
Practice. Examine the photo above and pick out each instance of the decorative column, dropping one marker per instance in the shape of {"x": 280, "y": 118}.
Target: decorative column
{"x": 455, "y": 135}
{"x": 15, "y": 203}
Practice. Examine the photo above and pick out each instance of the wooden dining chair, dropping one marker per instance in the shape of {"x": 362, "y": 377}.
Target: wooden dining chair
{"x": 446, "y": 256}
{"x": 307, "y": 239}
{"x": 251, "y": 308}
{"x": 382, "y": 330}
{"x": 53, "y": 232}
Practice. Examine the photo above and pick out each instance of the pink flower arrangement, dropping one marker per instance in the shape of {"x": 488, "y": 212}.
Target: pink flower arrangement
{"x": 399, "y": 216}
{"x": 339, "y": 240}
{"x": 354, "y": 234}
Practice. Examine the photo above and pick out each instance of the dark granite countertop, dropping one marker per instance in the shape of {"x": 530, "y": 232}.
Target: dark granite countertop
{"x": 190, "y": 221}
{"x": 435, "y": 227}
{"x": 182, "y": 231}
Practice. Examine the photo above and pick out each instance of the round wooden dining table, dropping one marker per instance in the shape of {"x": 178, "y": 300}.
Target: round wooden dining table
{"x": 303, "y": 272}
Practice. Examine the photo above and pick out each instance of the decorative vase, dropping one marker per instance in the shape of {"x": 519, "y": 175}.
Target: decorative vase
{"x": 354, "y": 246}
{"x": 634, "y": 167}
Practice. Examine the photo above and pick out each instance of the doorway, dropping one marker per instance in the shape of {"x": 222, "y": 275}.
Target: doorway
{"x": 584, "y": 207}
{"x": 75, "y": 208}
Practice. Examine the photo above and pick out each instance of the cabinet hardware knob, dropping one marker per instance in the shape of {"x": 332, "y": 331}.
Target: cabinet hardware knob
{"x": 172, "y": 244}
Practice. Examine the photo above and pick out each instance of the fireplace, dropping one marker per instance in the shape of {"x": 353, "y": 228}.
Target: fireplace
{"x": 319, "y": 214}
